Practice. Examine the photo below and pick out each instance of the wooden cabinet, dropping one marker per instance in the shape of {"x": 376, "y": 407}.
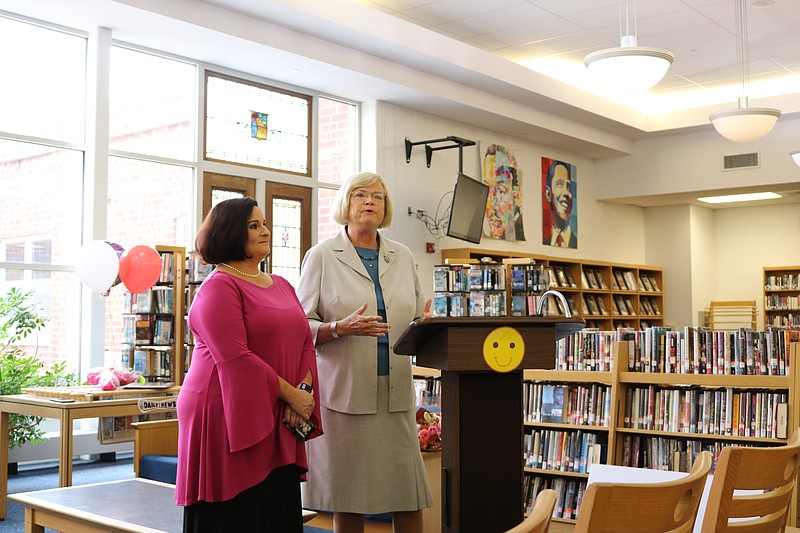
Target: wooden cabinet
{"x": 154, "y": 322}
{"x": 782, "y": 296}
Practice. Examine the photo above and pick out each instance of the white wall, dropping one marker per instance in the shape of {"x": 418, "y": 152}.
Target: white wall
{"x": 693, "y": 162}
{"x": 749, "y": 239}
{"x": 668, "y": 245}
{"x": 701, "y": 250}
{"x": 606, "y": 232}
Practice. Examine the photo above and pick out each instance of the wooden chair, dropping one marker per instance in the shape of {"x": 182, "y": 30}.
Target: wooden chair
{"x": 772, "y": 470}
{"x": 669, "y": 506}
{"x": 154, "y": 437}
{"x": 539, "y": 519}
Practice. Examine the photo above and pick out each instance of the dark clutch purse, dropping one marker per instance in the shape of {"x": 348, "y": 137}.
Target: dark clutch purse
{"x": 303, "y": 431}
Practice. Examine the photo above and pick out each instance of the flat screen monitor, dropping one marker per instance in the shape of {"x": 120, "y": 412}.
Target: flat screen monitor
{"x": 467, "y": 209}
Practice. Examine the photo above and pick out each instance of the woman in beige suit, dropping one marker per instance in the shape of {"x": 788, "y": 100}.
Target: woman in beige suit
{"x": 360, "y": 290}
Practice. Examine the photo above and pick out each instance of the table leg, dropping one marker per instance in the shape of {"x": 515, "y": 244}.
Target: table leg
{"x": 65, "y": 452}
{"x": 30, "y": 522}
{"x": 3, "y": 464}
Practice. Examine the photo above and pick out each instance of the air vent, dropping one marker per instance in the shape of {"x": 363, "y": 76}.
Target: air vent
{"x": 731, "y": 162}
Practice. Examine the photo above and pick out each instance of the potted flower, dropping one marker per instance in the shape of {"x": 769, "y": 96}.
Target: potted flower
{"x": 429, "y": 429}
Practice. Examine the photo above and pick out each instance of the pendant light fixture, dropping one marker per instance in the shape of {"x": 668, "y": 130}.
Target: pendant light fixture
{"x": 744, "y": 124}
{"x": 629, "y": 68}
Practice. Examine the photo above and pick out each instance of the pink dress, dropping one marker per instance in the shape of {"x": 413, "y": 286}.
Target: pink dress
{"x": 229, "y": 414}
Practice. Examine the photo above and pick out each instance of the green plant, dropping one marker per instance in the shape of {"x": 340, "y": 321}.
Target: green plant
{"x": 18, "y": 320}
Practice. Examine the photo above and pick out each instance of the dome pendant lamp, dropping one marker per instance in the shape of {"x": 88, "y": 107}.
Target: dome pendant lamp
{"x": 629, "y": 68}
{"x": 744, "y": 124}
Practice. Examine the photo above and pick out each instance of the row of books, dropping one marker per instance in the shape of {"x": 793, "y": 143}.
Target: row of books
{"x": 561, "y": 277}
{"x": 777, "y": 302}
{"x": 428, "y": 391}
{"x": 586, "y": 350}
{"x": 700, "y": 350}
{"x": 665, "y": 453}
{"x": 784, "y": 321}
{"x": 167, "y": 268}
{"x": 153, "y": 363}
{"x": 563, "y": 451}
{"x": 146, "y": 330}
{"x": 578, "y": 405}
{"x": 477, "y": 303}
{"x": 158, "y": 300}
{"x": 570, "y": 494}
{"x": 196, "y": 270}
{"x": 463, "y": 278}
{"x": 741, "y": 413}
{"x": 529, "y": 278}
{"x": 781, "y": 282}
{"x": 524, "y": 304}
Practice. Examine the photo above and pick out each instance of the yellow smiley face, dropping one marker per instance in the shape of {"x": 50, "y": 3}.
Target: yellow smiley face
{"x": 503, "y": 349}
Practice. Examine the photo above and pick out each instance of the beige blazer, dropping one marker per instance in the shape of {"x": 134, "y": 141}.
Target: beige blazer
{"x": 334, "y": 283}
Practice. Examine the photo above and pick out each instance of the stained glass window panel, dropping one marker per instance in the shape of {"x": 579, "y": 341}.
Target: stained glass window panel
{"x": 286, "y": 226}
{"x": 257, "y": 125}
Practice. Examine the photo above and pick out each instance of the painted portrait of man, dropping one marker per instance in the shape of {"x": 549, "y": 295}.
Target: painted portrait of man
{"x": 559, "y": 204}
{"x": 504, "y": 204}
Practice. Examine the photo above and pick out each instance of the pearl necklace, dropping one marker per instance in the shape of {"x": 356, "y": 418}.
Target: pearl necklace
{"x": 240, "y": 272}
{"x": 369, "y": 260}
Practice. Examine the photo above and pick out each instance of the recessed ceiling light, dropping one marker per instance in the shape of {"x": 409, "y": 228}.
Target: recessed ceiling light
{"x": 749, "y": 197}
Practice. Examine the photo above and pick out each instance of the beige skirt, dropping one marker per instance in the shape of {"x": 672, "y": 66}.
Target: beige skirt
{"x": 367, "y": 464}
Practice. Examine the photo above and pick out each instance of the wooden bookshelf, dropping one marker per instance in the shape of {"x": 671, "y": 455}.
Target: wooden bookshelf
{"x": 782, "y": 296}
{"x": 169, "y": 352}
{"x": 591, "y": 287}
{"x": 618, "y": 433}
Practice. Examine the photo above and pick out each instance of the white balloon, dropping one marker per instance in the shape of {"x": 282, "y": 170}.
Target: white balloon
{"x": 98, "y": 265}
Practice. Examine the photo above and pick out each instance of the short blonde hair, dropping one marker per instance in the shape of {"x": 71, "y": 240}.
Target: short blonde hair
{"x": 356, "y": 181}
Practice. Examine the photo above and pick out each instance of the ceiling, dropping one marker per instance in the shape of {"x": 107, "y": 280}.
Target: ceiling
{"x": 554, "y": 36}
{"x": 509, "y": 65}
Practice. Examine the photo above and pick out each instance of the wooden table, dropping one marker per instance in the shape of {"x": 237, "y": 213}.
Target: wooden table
{"x": 133, "y": 505}
{"x": 66, "y": 413}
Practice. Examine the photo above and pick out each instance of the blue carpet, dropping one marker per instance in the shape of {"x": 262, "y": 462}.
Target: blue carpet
{"x": 45, "y": 476}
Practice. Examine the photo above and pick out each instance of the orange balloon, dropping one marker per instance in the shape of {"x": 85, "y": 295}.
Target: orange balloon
{"x": 139, "y": 268}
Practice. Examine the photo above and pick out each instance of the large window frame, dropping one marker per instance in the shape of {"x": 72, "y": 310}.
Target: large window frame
{"x": 266, "y": 184}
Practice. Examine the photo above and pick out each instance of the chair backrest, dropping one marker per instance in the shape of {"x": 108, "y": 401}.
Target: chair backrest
{"x": 669, "y": 506}
{"x": 771, "y": 471}
{"x": 539, "y": 519}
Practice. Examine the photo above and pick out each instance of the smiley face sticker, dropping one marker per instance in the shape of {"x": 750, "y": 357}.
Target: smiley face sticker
{"x": 503, "y": 349}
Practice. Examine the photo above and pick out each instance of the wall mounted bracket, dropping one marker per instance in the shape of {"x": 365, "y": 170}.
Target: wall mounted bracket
{"x": 458, "y": 142}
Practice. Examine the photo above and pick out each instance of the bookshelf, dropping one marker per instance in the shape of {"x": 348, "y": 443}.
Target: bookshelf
{"x": 606, "y": 295}
{"x": 154, "y": 322}
{"x": 782, "y": 296}
{"x": 616, "y": 412}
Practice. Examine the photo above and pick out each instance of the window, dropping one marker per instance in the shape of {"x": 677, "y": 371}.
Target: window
{"x": 289, "y": 212}
{"x": 151, "y": 105}
{"x": 253, "y": 124}
{"x": 35, "y": 60}
{"x": 338, "y": 155}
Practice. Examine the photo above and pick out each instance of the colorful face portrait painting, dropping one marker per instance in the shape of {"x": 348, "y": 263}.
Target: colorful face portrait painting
{"x": 559, "y": 203}
{"x": 504, "y": 205}
{"x": 258, "y": 125}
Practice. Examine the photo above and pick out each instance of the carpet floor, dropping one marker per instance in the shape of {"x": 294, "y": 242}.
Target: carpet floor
{"x": 45, "y": 476}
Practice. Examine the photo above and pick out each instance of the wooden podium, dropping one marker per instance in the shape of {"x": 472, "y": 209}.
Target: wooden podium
{"x": 482, "y": 428}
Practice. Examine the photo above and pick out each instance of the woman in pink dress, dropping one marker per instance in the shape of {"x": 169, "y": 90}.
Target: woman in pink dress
{"x": 251, "y": 382}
